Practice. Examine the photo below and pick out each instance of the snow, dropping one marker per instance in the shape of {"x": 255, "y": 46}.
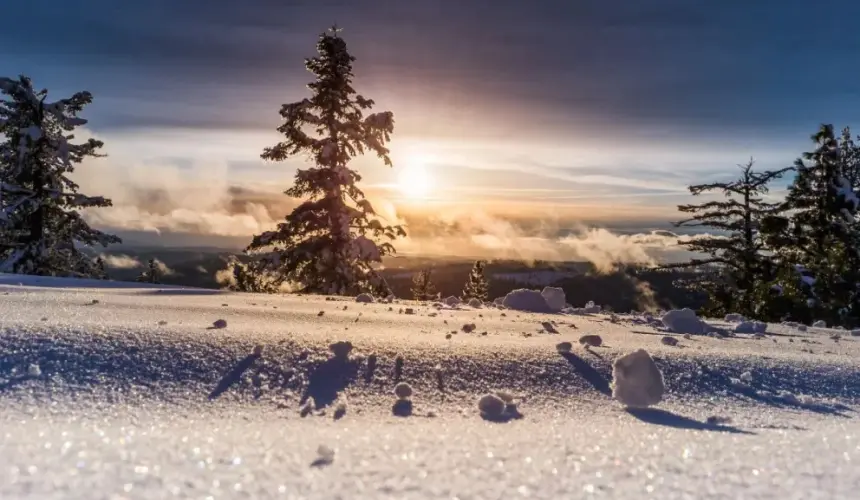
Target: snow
{"x": 636, "y": 380}
{"x": 819, "y": 324}
{"x": 684, "y": 321}
{"x": 734, "y": 318}
{"x": 526, "y": 300}
{"x": 751, "y": 327}
{"x": 476, "y": 303}
{"x": 452, "y": 301}
{"x": 364, "y": 298}
{"x": 121, "y": 405}
{"x": 555, "y": 298}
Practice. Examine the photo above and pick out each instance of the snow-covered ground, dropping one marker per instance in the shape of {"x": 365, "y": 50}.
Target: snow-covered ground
{"x": 128, "y": 391}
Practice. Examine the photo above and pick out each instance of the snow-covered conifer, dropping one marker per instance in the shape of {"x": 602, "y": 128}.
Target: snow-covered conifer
{"x": 251, "y": 277}
{"x": 422, "y": 285}
{"x": 737, "y": 261}
{"x": 41, "y": 227}
{"x": 821, "y": 235}
{"x": 332, "y": 241}
{"x": 152, "y": 274}
{"x": 476, "y": 284}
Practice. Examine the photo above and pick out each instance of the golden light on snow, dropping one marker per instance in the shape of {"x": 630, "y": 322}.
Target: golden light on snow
{"x": 415, "y": 181}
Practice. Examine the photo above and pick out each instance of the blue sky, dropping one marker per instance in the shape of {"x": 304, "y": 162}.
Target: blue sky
{"x": 588, "y": 110}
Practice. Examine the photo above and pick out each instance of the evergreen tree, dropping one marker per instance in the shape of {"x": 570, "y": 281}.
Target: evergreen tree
{"x": 476, "y": 284}
{"x": 820, "y": 237}
{"x": 329, "y": 243}
{"x": 152, "y": 274}
{"x": 251, "y": 278}
{"x": 40, "y": 223}
{"x": 422, "y": 286}
{"x": 737, "y": 263}
{"x": 100, "y": 270}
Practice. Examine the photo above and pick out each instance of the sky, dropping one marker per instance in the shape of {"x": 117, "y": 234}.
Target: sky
{"x": 525, "y": 118}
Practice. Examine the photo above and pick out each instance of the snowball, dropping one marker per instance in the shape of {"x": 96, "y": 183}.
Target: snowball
{"x": 258, "y": 350}
{"x": 564, "y": 347}
{"x": 745, "y": 327}
{"x": 409, "y": 310}
{"x": 671, "y": 341}
{"x": 364, "y": 298}
{"x": 491, "y": 405}
{"x": 746, "y": 376}
{"x": 820, "y": 324}
{"x": 476, "y": 303}
{"x": 636, "y": 380}
{"x": 325, "y": 456}
{"x": 469, "y": 327}
{"x": 34, "y": 370}
{"x": 505, "y": 396}
{"x": 684, "y": 321}
{"x": 403, "y": 390}
{"x": 526, "y": 300}
{"x": 499, "y": 301}
{"x": 734, "y": 318}
{"x": 220, "y": 323}
{"x": 591, "y": 308}
{"x": 591, "y": 340}
{"x": 452, "y": 301}
{"x": 554, "y": 298}
{"x": 760, "y": 326}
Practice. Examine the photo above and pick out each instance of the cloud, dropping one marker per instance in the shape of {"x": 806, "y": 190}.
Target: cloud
{"x": 163, "y": 268}
{"x": 120, "y": 261}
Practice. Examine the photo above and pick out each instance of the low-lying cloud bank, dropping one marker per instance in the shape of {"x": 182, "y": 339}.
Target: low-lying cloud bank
{"x": 201, "y": 200}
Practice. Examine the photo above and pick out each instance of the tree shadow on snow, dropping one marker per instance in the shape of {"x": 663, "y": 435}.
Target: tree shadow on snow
{"x": 233, "y": 376}
{"x": 666, "y": 418}
{"x": 590, "y": 375}
{"x": 328, "y": 379}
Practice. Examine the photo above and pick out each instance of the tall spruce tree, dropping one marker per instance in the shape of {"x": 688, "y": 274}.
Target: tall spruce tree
{"x": 422, "y": 285}
{"x": 152, "y": 273}
{"x": 476, "y": 284}
{"x": 250, "y": 277}
{"x": 40, "y": 223}
{"x": 330, "y": 243}
{"x": 820, "y": 237}
{"x": 737, "y": 263}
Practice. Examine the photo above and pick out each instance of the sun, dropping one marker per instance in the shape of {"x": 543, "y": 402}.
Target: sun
{"x": 415, "y": 181}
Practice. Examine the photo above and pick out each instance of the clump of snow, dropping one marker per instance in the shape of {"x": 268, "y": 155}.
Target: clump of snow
{"x": 452, "y": 301}
{"x": 636, "y": 380}
{"x": 34, "y": 370}
{"x": 747, "y": 376}
{"x": 547, "y": 326}
{"x": 340, "y": 408}
{"x": 734, "y": 318}
{"x": 564, "y": 347}
{"x": 591, "y": 340}
{"x": 555, "y": 298}
{"x": 505, "y": 396}
{"x": 469, "y": 327}
{"x": 491, "y": 405}
{"x": 820, "y": 324}
{"x": 591, "y": 308}
{"x": 684, "y": 321}
{"x": 258, "y": 350}
{"x": 526, "y": 300}
{"x": 409, "y": 310}
{"x": 670, "y": 341}
{"x": 855, "y": 333}
{"x": 788, "y": 397}
{"x": 219, "y": 323}
{"x": 498, "y": 301}
{"x": 476, "y": 303}
{"x": 364, "y": 298}
{"x": 751, "y": 327}
{"x": 308, "y": 407}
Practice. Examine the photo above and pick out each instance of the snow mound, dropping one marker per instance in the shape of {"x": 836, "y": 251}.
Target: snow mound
{"x": 491, "y": 405}
{"x": 364, "y": 298}
{"x": 684, "y": 321}
{"x": 526, "y": 300}
{"x": 554, "y": 298}
{"x": 820, "y": 324}
{"x": 636, "y": 380}
{"x": 452, "y": 301}
{"x": 734, "y": 318}
{"x": 855, "y": 333}
{"x": 476, "y": 303}
{"x": 592, "y": 308}
{"x": 751, "y": 327}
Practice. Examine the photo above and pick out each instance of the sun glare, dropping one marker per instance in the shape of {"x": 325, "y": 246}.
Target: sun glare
{"x": 415, "y": 181}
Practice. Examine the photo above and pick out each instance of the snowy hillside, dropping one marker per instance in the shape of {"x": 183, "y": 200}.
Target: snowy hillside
{"x": 113, "y": 390}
